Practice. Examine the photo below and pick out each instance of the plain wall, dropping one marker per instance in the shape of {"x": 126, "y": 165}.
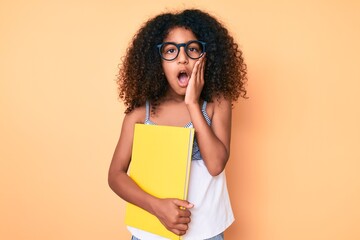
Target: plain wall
{"x": 294, "y": 167}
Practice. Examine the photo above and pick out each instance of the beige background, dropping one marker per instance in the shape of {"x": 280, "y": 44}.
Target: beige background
{"x": 294, "y": 167}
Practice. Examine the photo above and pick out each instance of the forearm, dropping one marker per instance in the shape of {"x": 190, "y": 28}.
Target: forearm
{"x": 214, "y": 152}
{"x": 172, "y": 213}
{"x": 128, "y": 190}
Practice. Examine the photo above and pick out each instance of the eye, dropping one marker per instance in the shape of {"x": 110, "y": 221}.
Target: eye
{"x": 194, "y": 47}
{"x": 169, "y": 49}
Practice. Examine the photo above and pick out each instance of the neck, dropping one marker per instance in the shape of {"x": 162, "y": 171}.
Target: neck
{"x": 172, "y": 96}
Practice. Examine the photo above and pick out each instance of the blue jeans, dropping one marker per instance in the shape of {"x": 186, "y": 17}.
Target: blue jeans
{"x": 218, "y": 237}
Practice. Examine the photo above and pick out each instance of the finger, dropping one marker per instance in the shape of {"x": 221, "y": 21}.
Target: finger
{"x": 181, "y": 227}
{"x": 177, "y": 232}
{"x": 184, "y": 213}
{"x": 195, "y": 70}
{"x": 202, "y": 69}
{"x": 183, "y": 203}
{"x": 198, "y": 75}
{"x": 184, "y": 220}
{"x": 178, "y": 229}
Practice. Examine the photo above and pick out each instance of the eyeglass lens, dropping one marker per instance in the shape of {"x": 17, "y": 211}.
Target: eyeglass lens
{"x": 170, "y": 51}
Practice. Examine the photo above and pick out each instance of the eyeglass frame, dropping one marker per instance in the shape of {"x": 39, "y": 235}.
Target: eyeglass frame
{"x": 179, "y": 45}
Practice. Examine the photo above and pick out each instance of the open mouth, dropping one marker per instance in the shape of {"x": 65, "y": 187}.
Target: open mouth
{"x": 183, "y": 78}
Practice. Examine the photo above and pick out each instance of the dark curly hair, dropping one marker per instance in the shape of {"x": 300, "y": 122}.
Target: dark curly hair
{"x": 141, "y": 77}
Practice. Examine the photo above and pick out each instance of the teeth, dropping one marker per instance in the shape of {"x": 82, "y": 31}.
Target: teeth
{"x": 183, "y": 72}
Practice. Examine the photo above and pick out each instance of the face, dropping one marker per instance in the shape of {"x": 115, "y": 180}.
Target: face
{"x": 178, "y": 71}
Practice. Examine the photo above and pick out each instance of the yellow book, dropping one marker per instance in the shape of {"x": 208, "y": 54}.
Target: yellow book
{"x": 160, "y": 165}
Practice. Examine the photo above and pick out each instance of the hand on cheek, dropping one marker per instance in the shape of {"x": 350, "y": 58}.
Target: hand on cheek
{"x": 196, "y": 82}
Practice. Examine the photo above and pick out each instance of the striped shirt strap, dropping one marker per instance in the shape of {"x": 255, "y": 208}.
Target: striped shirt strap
{"x": 147, "y": 106}
{"x": 206, "y": 116}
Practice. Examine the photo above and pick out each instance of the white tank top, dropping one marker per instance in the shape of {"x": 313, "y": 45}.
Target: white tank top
{"x": 212, "y": 212}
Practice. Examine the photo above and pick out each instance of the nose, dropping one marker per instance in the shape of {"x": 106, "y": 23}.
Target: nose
{"x": 182, "y": 58}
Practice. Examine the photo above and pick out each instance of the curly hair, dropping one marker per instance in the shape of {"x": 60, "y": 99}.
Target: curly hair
{"x": 141, "y": 77}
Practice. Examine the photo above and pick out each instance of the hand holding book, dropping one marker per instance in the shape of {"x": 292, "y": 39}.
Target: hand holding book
{"x": 174, "y": 214}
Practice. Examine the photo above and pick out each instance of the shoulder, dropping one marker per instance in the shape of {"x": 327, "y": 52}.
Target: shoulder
{"x": 218, "y": 105}
{"x": 135, "y": 116}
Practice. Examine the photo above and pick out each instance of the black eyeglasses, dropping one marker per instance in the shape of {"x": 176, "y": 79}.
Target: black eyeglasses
{"x": 194, "y": 49}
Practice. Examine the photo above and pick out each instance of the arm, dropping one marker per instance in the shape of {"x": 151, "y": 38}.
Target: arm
{"x": 168, "y": 211}
{"x": 214, "y": 140}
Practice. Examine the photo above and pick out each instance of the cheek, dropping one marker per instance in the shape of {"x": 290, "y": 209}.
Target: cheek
{"x": 192, "y": 65}
{"x": 167, "y": 68}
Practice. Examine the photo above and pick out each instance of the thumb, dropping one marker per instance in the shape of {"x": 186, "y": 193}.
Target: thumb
{"x": 183, "y": 203}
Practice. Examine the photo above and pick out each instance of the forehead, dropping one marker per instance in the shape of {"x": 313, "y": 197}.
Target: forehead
{"x": 180, "y": 35}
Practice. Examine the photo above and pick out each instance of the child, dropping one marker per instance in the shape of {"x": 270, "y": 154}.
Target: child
{"x": 182, "y": 69}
